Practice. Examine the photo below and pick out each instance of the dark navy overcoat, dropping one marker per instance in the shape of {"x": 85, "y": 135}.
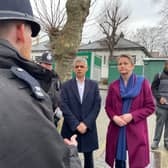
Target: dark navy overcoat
{"x": 75, "y": 112}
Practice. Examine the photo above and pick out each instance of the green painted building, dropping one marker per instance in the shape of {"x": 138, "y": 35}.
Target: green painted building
{"x": 151, "y": 67}
{"x": 99, "y": 66}
{"x": 114, "y": 74}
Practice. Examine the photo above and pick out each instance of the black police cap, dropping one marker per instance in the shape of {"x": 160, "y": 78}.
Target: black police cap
{"x": 19, "y": 10}
{"x": 46, "y": 58}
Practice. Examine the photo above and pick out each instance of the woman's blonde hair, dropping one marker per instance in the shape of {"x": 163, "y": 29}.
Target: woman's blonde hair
{"x": 130, "y": 58}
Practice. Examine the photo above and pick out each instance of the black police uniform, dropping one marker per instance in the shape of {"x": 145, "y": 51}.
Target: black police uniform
{"x": 28, "y": 138}
{"x": 53, "y": 88}
{"x": 54, "y": 93}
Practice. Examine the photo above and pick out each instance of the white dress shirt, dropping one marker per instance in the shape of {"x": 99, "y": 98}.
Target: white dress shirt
{"x": 81, "y": 87}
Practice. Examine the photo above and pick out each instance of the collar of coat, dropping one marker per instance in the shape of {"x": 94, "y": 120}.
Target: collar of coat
{"x": 9, "y": 57}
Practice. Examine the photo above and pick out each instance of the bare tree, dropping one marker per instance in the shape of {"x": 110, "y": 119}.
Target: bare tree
{"x": 52, "y": 16}
{"x": 164, "y": 29}
{"x": 111, "y": 23}
{"x": 164, "y": 49}
{"x": 155, "y": 38}
{"x": 149, "y": 37}
{"x": 164, "y": 14}
{"x": 64, "y": 31}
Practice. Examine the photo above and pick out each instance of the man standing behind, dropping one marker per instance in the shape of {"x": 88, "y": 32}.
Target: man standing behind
{"x": 53, "y": 87}
{"x": 160, "y": 91}
{"x": 81, "y": 105}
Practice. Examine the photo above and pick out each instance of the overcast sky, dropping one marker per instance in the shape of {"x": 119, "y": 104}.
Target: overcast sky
{"x": 142, "y": 13}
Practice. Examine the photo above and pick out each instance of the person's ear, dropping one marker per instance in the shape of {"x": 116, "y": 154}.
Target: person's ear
{"x": 20, "y": 32}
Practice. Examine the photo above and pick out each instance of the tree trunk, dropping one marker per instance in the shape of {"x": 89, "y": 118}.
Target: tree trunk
{"x": 66, "y": 42}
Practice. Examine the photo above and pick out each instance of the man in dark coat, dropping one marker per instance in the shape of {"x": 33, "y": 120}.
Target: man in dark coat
{"x": 81, "y": 101}
{"x": 28, "y": 138}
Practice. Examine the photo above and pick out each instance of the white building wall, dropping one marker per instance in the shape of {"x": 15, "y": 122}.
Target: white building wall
{"x": 104, "y": 68}
{"x": 140, "y": 55}
{"x": 96, "y": 73}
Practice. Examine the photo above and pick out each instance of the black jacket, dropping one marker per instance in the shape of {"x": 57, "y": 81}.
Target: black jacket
{"x": 55, "y": 90}
{"x": 159, "y": 87}
{"x": 28, "y": 137}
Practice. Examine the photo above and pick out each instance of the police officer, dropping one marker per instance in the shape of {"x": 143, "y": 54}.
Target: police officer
{"x": 46, "y": 61}
{"x": 28, "y": 138}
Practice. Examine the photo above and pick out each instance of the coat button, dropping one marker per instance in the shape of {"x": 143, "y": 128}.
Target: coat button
{"x": 38, "y": 91}
{"x": 19, "y": 69}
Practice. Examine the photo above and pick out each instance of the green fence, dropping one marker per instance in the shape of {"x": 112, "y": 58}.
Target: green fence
{"x": 151, "y": 67}
{"x": 114, "y": 74}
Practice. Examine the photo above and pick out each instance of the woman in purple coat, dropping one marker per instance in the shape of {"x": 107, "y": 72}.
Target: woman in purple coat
{"x": 128, "y": 104}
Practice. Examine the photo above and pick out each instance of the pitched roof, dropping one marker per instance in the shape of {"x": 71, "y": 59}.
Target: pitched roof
{"x": 123, "y": 44}
{"x": 101, "y": 45}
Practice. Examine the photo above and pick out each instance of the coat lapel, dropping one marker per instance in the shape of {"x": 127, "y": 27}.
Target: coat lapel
{"x": 86, "y": 90}
{"x": 75, "y": 89}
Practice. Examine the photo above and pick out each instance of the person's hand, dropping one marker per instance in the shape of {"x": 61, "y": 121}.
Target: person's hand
{"x": 82, "y": 128}
{"x": 127, "y": 117}
{"x": 163, "y": 100}
{"x": 119, "y": 121}
{"x": 72, "y": 141}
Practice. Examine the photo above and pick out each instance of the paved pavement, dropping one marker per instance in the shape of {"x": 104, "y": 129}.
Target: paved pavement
{"x": 159, "y": 158}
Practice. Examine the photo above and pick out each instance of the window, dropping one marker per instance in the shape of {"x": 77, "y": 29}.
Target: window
{"x": 134, "y": 58}
{"x": 104, "y": 60}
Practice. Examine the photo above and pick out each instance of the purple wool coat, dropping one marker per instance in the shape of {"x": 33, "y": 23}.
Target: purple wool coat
{"x": 136, "y": 131}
